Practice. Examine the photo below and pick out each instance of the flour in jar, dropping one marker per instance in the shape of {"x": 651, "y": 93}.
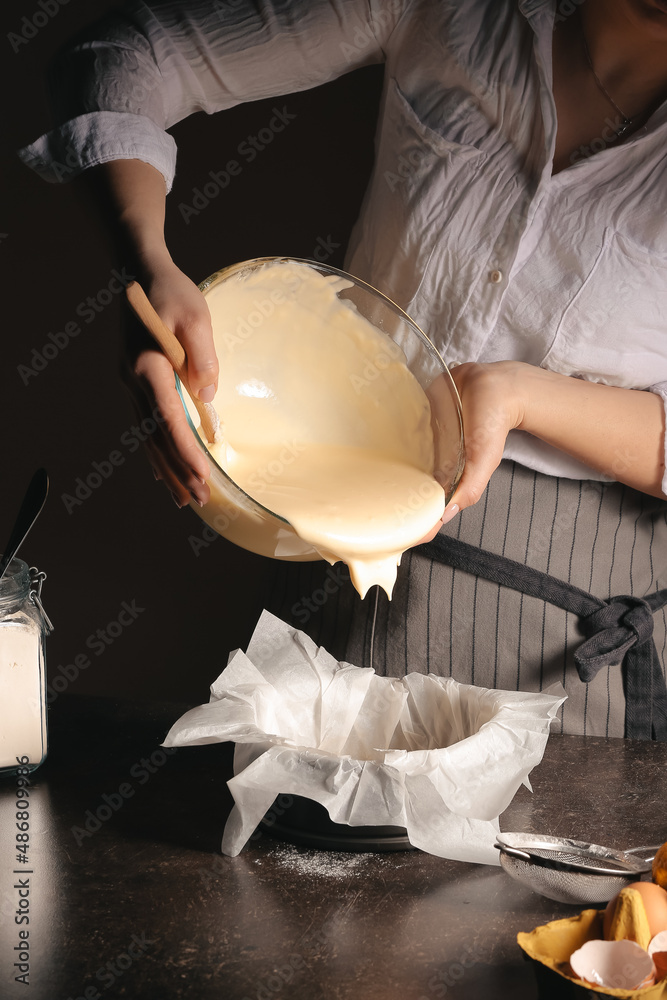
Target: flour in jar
{"x": 22, "y": 721}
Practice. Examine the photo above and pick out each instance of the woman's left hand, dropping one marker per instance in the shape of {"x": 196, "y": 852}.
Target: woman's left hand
{"x": 491, "y": 407}
{"x": 617, "y": 431}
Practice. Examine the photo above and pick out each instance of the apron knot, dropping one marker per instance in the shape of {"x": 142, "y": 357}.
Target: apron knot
{"x": 619, "y": 630}
{"x": 621, "y": 622}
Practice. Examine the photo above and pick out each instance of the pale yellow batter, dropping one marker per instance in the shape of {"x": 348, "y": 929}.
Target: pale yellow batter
{"x": 323, "y": 422}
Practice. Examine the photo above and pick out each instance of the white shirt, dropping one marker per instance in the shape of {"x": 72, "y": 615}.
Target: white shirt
{"x": 463, "y": 223}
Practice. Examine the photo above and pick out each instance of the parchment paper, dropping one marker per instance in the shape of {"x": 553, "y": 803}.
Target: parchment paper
{"x": 441, "y": 759}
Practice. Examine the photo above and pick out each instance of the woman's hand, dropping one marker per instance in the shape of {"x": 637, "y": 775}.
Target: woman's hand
{"x": 173, "y": 451}
{"x": 132, "y": 195}
{"x": 491, "y": 407}
{"x": 616, "y": 431}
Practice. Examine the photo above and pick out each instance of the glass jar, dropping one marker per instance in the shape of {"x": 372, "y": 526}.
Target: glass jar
{"x": 24, "y": 626}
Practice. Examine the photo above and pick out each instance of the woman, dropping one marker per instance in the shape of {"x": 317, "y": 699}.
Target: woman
{"x": 516, "y": 211}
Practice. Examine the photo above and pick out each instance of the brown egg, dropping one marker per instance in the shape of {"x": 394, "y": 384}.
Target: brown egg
{"x": 660, "y": 866}
{"x": 655, "y": 904}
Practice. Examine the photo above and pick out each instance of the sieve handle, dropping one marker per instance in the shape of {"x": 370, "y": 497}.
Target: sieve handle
{"x": 513, "y": 852}
{"x": 645, "y": 854}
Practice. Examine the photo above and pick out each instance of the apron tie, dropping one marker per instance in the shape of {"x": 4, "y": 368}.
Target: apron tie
{"x": 618, "y": 630}
{"x": 621, "y": 623}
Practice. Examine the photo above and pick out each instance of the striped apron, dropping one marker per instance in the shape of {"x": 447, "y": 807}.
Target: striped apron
{"x": 465, "y": 609}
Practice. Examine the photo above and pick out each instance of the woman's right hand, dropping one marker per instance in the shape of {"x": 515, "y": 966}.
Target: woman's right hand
{"x": 173, "y": 451}
{"x": 131, "y": 194}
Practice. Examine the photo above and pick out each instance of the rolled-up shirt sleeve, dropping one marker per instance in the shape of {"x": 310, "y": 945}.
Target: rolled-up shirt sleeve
{"x": 118, "y": 90}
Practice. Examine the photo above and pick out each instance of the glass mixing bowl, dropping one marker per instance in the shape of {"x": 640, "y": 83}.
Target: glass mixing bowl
{"x": 239, "y": 517}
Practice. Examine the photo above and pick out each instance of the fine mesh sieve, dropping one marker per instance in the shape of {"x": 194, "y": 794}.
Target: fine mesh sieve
{"x": 571, "y": 871}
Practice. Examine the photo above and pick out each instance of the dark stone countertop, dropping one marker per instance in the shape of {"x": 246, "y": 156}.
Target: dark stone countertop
{"x": 146, "y": 907}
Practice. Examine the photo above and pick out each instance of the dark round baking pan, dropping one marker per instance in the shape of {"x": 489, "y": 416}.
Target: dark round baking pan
{"x": 306, "y": 823}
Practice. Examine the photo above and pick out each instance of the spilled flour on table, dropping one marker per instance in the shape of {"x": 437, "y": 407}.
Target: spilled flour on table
{"x": 327, "y": 864}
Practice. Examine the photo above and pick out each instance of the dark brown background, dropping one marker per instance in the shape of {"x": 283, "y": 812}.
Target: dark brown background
{"x": 128, "y": 542}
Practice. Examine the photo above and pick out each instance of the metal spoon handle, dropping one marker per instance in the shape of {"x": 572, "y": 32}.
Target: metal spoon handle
{"x": 33, "y": 501}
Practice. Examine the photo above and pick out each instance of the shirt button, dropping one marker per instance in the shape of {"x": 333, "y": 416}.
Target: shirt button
{"x": 496, "y": 277}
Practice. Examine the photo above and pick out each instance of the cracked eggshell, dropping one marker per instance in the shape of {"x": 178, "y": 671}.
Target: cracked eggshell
{"x": 620, "y": 965}
{"x": 657, "y": 949}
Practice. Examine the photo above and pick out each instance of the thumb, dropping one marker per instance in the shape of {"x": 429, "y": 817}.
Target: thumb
{"x": 482, "y": 460}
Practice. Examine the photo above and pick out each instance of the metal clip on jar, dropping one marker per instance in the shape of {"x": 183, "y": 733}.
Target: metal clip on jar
{"x": 24, "y": 626}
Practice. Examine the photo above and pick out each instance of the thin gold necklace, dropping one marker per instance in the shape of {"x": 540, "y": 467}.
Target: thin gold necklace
{"x": 627, "y": 122}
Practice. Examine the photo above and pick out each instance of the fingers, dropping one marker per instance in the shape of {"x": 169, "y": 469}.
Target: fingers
{"x": 175, "y": 453}
{"x": 484, "y": 446}
{"x": 181, "y": 305}
{"x": 489, "y": 412}
{"x": 196, "y": 335}
{"x": 450, "y": 513}
{"x": 176, "y": 457}
{"x": 471, "y": 487}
